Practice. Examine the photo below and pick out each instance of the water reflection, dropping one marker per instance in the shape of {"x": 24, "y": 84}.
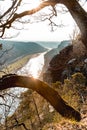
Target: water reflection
{"x": 33, "y": 67}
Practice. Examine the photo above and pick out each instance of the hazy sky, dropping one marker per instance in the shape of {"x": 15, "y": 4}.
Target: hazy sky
{"x": 41, "y": 31}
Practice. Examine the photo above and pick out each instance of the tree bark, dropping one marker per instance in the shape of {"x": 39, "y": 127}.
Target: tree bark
{"x": 52, "y": 96}
{"x": 79, "y": 15}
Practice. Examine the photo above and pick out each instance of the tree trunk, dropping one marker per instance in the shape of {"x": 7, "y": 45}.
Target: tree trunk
{"x": 44, "y": 90}
{"x": 79, "y": 15}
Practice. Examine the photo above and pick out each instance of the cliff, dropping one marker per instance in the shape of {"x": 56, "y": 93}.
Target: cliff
{"x": 59, "y": 67}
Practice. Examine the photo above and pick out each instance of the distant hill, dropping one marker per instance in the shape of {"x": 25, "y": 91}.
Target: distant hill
{"x": 64, "y": 44}
{"x": 16, "y": 49}
{"x": 54, "y": 51}
{"x": 50, "y": 54}
{"x": 49, "y": 44}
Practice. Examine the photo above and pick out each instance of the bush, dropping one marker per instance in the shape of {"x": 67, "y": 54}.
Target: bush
{"x": 79, "y": 78}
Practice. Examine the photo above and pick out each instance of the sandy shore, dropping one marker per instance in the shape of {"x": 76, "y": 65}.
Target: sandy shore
{"x": 13, "y": 67}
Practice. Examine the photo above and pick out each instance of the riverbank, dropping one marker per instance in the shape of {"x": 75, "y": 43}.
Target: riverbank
{"x": 13, "y": 67}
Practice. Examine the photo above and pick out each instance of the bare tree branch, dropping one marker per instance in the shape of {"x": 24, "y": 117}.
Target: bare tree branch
{"x": 3, "y": 104}
{"x": 18, "y": 125}
{"x": 7, "y": 11}
{"x": 15, "y": 16}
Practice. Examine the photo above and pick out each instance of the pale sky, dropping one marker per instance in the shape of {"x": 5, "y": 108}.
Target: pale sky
{"x": 41, "y": 31}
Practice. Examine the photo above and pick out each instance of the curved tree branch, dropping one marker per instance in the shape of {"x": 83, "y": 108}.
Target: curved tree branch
{"x": 52, "y": 96}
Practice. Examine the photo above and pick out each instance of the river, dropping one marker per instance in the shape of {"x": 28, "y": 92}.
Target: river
{"x": 33, "y": 67}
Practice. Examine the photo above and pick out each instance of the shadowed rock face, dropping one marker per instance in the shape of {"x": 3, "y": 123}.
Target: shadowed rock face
{"x": 59, "y": 62}
{"x": 52, "y": 96}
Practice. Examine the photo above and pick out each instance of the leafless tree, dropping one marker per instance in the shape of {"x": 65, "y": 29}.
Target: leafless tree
{"x": 8, "y": 100}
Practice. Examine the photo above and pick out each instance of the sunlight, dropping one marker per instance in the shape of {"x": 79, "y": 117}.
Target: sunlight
{"x": 34, "y": 3}
{"x": 34, "y": 67}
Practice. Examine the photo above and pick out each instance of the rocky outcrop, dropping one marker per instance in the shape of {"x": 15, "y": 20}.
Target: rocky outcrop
{"x": 59, "y": 63}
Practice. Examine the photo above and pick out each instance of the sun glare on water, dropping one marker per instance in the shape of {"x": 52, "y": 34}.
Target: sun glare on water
{"x": 34, "y": 67}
